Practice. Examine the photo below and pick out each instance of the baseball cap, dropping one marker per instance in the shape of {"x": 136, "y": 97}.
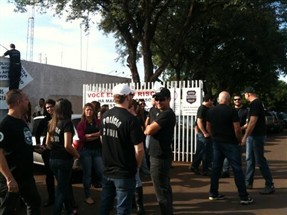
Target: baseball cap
{"x": 248, "y": 90}
{"x": 162, "y": 92}
{"x": 122, "y": 89}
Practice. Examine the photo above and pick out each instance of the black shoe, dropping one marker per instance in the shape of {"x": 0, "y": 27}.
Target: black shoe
{"x": 268, "y": 190}
{"x": 206, "y": 173}
{"x": 246, "y": 201}
{"x": 225, "y": 175}
{"x": 48, "y": 203}
{"x": 195, "y": 170}
{"x": 249, "y": 186}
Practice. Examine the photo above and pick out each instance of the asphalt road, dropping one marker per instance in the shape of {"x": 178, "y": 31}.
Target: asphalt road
{"x": 191, "y": 191}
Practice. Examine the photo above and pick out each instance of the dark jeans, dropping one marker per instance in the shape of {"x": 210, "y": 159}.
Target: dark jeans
{"x": 14, "y": 76}
{"x": 255, "y": 154}
{"x": 91, "y": 158}
{"x": 27, "y": 192}
{"x": 50, "y": 182}
{"x": 203, "y": 152}
{"x": 63, "y": 171}
{"x": 123, "y": 190}
{"x": 159, "y": 171}
{"x": 233, "y": 153}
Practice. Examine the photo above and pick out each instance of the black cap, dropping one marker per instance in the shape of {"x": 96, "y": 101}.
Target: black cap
{"x": 248, "y": 90}
{"x": 162, "y": 92}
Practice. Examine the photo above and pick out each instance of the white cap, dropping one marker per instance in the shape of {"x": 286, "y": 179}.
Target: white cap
{"x": 122, "y": 89}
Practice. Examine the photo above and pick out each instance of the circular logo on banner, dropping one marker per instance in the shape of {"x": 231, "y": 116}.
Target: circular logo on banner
{"x": 1, "y": 136}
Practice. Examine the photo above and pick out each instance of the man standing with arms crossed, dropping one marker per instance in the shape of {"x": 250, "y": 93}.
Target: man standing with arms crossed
{"x": 16, "y": 158}
{"x": 122, "y": 151}
{"x": 161, "y": 131}
{"x": 254, "y": 139}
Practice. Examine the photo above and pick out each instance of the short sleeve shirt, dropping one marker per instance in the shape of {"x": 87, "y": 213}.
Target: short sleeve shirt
{"x": 202, "y": 114}
{"x": 16, "y": 142}
{"x": 257, "y": 109}
{"x": 222, "y": 118}
{"x": 120, "y": 131}
{"x": 58, "y": 150}
{"x": 160, "y": 143}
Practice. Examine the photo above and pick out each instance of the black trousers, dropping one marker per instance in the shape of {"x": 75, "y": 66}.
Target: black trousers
{"x": 14, "y": 76}
{"x": 27, "y": 192}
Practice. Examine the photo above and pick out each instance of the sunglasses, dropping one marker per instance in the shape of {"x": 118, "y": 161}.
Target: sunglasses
{"x": 237, "y": 99}
{"x": 159, "y": 99}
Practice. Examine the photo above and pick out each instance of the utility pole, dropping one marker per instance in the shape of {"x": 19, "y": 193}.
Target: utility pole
{"x": 30, "y": 35}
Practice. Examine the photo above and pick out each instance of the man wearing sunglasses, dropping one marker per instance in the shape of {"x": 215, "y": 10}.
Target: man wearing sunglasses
{"x": 161, "y": 131}
{"x": 242, "y": 114}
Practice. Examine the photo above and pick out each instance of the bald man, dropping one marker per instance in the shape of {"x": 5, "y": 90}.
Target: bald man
{"x": 224, "y": 127}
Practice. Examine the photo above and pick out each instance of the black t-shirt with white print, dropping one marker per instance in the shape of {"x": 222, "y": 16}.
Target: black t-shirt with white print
{"x": 16, "y": 142}
{"x": 120, "y": 131}
{"x": 58, "y": 150}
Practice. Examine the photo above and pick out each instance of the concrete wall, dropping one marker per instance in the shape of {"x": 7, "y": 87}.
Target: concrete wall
{"x": 58, "y": 82}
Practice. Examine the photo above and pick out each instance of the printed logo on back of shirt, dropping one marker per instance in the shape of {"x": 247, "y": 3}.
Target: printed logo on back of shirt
{"x": 27, "y": 136}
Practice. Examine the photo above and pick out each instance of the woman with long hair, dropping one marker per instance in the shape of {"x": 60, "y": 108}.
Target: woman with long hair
{"x": 91, "y": 153}
{"x": 59, "y": 140}
{"x": 41, "y": 147}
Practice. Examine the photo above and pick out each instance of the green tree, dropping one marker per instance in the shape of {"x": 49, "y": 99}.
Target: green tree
{"x": 228, "y": 43}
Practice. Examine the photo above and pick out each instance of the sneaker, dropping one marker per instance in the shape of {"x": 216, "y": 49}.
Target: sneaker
{"x": 249, "y": 186}
{"x": 195, "y": 170}
{"x": 268, "y": 190}
{"x": 217, "y": 197}
{"x": 246, "y": 201}
{"x": 206, "y": 173}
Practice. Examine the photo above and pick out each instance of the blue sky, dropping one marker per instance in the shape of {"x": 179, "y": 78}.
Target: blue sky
{"x": 59, "y": 42}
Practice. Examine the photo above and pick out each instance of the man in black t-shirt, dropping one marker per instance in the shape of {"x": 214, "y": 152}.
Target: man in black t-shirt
{"x": 16, "y": 158}
{"x": 242, "y": 114}
{"x": 254, "y": 139}
{"x": 223, "y": 125}
{"x": 161, "y": 131}
{"x": 14, "y": 68}
{"x": 122, "y": 151}
{"x": 203, "y": 143}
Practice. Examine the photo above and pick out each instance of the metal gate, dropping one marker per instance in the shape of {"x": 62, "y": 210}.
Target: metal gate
{"x": 186, "y": 97}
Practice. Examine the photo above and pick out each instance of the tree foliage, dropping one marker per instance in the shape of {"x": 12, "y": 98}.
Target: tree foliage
{"x": 228, "y": 43}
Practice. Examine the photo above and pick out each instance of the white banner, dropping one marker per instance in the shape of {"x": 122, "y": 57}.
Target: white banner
{"x": 26, "y": 78}
{"x": 3, "y": 91}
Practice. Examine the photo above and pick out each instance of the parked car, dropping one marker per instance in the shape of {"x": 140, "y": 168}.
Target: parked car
{"x": 269, "y": 120}
{"x": 283, "y": 117}
{"x": 38, "y": 157}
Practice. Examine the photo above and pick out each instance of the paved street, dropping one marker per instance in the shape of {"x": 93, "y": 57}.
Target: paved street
{"x": 191, "y": 191}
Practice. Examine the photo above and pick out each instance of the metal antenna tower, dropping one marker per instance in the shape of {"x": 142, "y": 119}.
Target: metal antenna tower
{"x": 30, "y": 35}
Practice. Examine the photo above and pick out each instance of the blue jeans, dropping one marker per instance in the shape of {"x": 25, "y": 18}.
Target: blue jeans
{"x": 62, "y": 170}
{"x": 159, "y": 172}
{"x": 255, "y": 154}
{"x": 226, "y": 166}
{"x": 233, "y": 153}
{"x": 122, "y": 189}
{"x": 27, "y": 191}
{"x": 203, "y": 152}
{"x": 91, "y": 158}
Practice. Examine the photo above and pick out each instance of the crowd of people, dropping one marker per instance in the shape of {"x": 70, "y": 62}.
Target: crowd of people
{"x": 117, "y": 144}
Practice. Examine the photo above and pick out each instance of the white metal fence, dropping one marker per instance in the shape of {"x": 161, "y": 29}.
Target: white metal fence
{"x": 186, "y": 97}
